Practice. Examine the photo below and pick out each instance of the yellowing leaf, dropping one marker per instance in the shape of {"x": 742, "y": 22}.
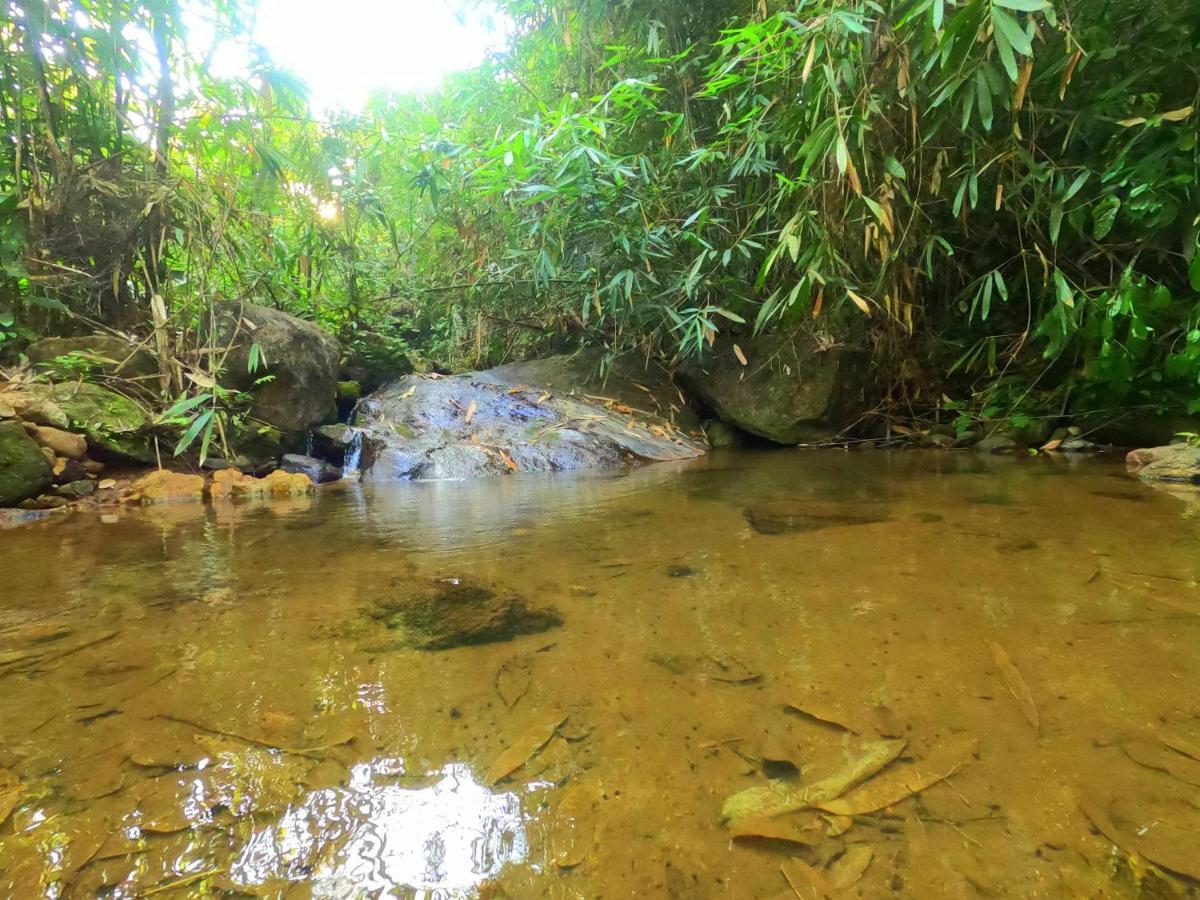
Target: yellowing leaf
{"x": 412, "y": 390}
{"x": 903, "y": 780}
{"x": 858, "y": 301}
{"x": 1178, "y": 115}
{"x": 508, "y": 460}
{"x": 471, "y": 407}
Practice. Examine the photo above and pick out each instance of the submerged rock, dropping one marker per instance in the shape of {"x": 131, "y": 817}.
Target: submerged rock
{"x": 789, "y": 391}
{"x": 1178, "y": 463}
{"x": 301, "y": 358}
{"x": 541, "y": 416}
{"x": 453, "y": 612}
{"x": 24, "y": 469}
{"x": 783, "y": 520}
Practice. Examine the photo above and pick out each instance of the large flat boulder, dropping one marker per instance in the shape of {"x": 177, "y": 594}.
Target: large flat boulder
{"x": 543, "y": 416}
{"x": 1177, "y": 463}
{"x": 108, "y": 353}
{"x": 301, "y": 360}
{"x": 24, "y": 469}
{"x": 787, "y": 390}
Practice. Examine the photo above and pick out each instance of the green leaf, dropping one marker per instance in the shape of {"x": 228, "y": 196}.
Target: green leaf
{"x": 196, "y": 427}
{"x": 1056, "y": 217}
{"x": 1013, "y": 33}
{"x": 893, "y": 166}
{"x": 7, "y": 319}
{"x": 939, "y": 14}
{"x": 985, "y": 103}
{"x": 1024, "y": 5}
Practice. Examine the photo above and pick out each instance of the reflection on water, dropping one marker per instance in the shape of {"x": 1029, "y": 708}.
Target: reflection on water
{"x": 221, "y": 700}
{"x": 448, "y": 837}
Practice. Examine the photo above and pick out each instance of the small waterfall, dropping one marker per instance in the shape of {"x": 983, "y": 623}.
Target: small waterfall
{"x": 350, "y": 468}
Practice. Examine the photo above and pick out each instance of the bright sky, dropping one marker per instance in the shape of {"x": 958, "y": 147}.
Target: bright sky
{"x": 345, "y": 49}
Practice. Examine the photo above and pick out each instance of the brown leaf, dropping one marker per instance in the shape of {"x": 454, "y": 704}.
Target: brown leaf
{"x": 525, "y": 747}
{"x": 806, "y": 832}
{"x": 848, "y": 869}
{"x": 1016, "y": 685}
{"x": 508, "y": 460}
{"x": 1023, "y": 75}
{"x": 737, "y": 351}
{"x": 903, "y": 780}
{"x": 1068, "y": 73}
{"x": 574, "y": 827}
{"x": 805, "y": 881}
{"x": 471, "y": 407}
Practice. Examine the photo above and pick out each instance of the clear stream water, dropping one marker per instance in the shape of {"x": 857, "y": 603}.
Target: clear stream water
{"x": 192, "y": 703}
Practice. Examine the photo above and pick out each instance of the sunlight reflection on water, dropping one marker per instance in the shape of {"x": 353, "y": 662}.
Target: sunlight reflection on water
{"x": 449, "y": 836}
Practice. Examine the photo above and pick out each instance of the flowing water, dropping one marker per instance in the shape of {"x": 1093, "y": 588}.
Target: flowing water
{"x": 193, "y": 702}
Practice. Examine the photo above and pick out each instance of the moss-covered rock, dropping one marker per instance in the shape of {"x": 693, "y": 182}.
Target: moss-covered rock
{"x": 24, "y": 469}
{"x": 115, "y": 426}
{"x": 109, "y": 354}
{"x": 786, "y": 391}
{"x": 301, "y": 361}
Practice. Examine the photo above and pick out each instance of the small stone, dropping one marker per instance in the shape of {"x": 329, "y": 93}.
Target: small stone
{"x": 318, "y": 470}
{"x": 1077, "y": 445}
{"x": 165, "y": 487}
{"x": 996, "y": 443}
{"x": 76, "y": 489}
{"x": 63, "y": 443}
{"x": 36, "y": 408}
{"x": 93, "y": 466}
{"x": 44, "y": 501}
{"x": 6, "y": 410}
{"x": 107, "y": 484}
{"x": 938, "y": 439}
{"x": 680, "y": 571}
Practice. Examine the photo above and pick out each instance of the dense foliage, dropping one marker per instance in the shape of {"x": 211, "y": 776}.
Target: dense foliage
{"x": 996, "y": 197}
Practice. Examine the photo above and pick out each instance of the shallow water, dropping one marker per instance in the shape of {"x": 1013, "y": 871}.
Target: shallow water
{"x": 192, "y": 702}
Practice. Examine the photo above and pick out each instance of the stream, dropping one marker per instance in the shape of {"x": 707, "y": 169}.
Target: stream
{"x": 193, "y": 701}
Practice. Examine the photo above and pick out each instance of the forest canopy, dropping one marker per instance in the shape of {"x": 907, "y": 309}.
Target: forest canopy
{"x": 995, "y": 198}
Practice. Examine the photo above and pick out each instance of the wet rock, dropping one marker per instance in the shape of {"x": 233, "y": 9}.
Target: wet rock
{"x": 63, "y": 443}
{"x": 44, "y": 501}
{"x": 454, "y": 612}
{"x": 938, "y": 440}
{"x": 301, "y": 357}
{"x": 541, "y": 416}
{"x": 24, "y": 470}
{"x": 1177, "y": 463}
{"x": 115, "y": 426}
{"x": 109, "y": 354}
{"x": 332, "y": 443}
{"x": 997, "y": 443}
{"x": 231, "y": 483}
{"x": 319, "y": 471}
{"x": 1077, "y": 445}
{"x": 782, "y": 520}
{"x": 75, "y": 490}
{"x": 32, "y": 404}
{"x": 68, "y": 470}
{"x": 790, "y": 392}
{"x": 167, "y": 487}
{"x": 721, "y": 434}
{"x": 93, "y": 466}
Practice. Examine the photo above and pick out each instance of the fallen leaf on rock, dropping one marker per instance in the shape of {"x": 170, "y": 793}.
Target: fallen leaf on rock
{"x": 1016, "y": 685}
{"x": 574, "y": 827}
{"x": 1170, "y": 848}
{"x": 903, "y": 780}
{"x": 513, "y": 680}
{"x": 779, "y": 797}
{"x": 807, "y": 831}
{"x": 805, "y": 881}
{"x": 1161, "y": 758}
{"x": 10, "y": 793}
{"x": 471, "y": 407}
{"x": 525, "y": 747}
{"x": 508, "y": 460}
{"x": 814, "y": 709}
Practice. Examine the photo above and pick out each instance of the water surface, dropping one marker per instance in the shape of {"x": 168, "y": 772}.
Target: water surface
{"x": 192, "y": 701}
